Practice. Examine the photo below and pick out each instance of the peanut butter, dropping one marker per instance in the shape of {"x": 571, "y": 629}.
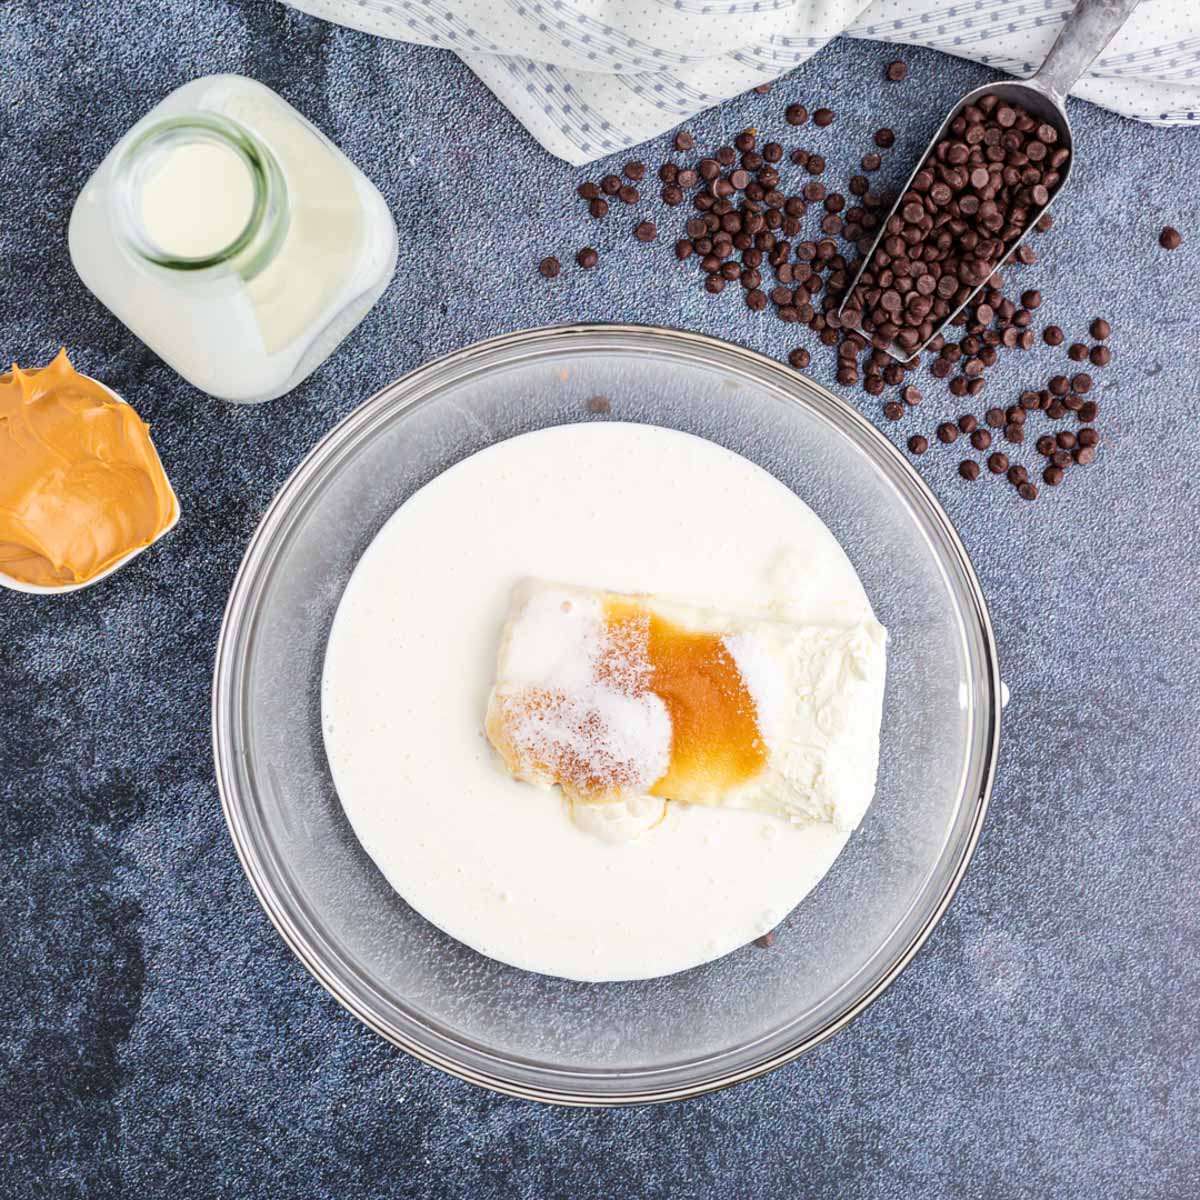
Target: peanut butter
{"x": 81, "y": 484}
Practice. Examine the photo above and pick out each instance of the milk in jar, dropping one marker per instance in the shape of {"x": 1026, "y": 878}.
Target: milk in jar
{"x": 233, "y": 238}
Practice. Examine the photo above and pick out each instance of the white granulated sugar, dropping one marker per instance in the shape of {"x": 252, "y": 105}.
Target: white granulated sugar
{"x": 576, "y": 693}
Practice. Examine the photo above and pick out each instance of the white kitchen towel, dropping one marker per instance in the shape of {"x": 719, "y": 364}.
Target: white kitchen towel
{"x": 588, "y": 77}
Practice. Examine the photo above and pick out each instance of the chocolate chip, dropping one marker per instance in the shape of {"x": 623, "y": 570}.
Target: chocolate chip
{"x": 1100, "y": 329}
{"x": 896, "y": 71}
{"x": 871, "y": 162}
{"x": 1014, "y": 433}
{"x": 994, "y": 417}
{"x": 1088, "y": 410}
{"x": 981, "y": 439}
{"x": 628, "y": 194}
{"x": 893, "y": 410}
{"x": 647, "y": 231}
{"x": 968, "y": 423}
{"x": 684, "y": 141}
{"x": 587, "y": 258}
{"x": 884, "y": 138}
{"x": 766, "y": 941}
{"x": 918, "y": 444}
{"x": 1170, "y": 238}
{"x": 1101, "y": 356}
{"x": 1031, "y": 299}
{"x": 1017, "y": 475}
{"x": 799, "y": 358}
{"x": 911, "y": 395}
{"x": 599, "y": 404}
{"x": 610, "y": 185}
{"x": 1027, "y": 491}
{"x": 1081, "y": 383}
{"x": 598, "y": 208}
{"x": 947, "y": 432}
{"x": 550, "y": 267}
{"x": 997, "y": 463}
{"x": 1077, "y": 352}
{"x": 1052, "y": 335}
{"x": 715, "y": 284}
{"x": 684, "y": 249}
{"x": 1088, "y": 437}
{"x": 968, "y": 468}
{"x": 588, "y": 190}
{"x": 1046, "y": 445}
{"x": 795, "y": 114}
{"x": 823, "y": 117}
{"x": 635, "y": 171}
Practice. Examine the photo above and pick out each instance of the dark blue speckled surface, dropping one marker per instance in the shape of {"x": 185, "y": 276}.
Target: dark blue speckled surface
{"x": 158, "y": 1039}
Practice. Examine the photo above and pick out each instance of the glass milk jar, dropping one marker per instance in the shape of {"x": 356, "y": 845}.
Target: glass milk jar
{"x": 233, "y": 238}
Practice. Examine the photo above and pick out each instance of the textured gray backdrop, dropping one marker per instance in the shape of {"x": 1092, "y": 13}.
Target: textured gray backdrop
{"x": 157, "y": 1038}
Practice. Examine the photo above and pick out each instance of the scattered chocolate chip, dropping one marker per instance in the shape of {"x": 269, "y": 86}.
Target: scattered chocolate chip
{"x": 893, "y": 410}
{"x": 994, "y": 417}
{"x": 598, "y": 208}
{"x": 1017, "y": 475}
{"x": 1046, "y": 445}
{"x": 628, "y": 194}
{"x": 981, "y": 439}
{"x": 799, "y": 358}
{"x": 766, "y": 941}
{"x": 1170, "y": 238}
{"x": 1088, "y": 437}
{"x": 947, "y": 432}
{"x": 587, "y": 258}
{"x": 795, "y": 114}
{"x": 1101, "y": 356}
{"x": 823, "y": 117}
{"x": 1031, "y": 299}
{"x": 684, "y": 141}
{"x": 896, "y": 71}
{"x": 968, "y": 423}
{"x": 1027, "y": 491}
{"x": 1053, "y": 475}
{"x": 1100, "y": 329}
{"x": 1014, "y": 433}
{"x": 635, "y": 171}
{"x": 997, "y": 463}
{"x": 968, "y": 468}
{"x": 1053, "y": 336}
{"x": 647, "y": 231}
{"x": 588, "y": 190}
{"x": 550, "y": 267}
{"x": 610, "y": 185}
{"x": 1085, "y": 455}
{"x": 884, "y": 138}
{"x": 598, "y": 404}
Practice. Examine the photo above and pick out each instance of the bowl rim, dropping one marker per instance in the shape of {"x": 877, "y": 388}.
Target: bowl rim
{"x": 244, "y": 590}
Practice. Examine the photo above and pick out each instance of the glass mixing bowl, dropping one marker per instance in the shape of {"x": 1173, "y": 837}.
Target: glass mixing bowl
{"x": 609, "y": 1043}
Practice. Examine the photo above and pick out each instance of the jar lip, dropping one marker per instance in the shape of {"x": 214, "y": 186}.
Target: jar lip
{"x": 266, "y": 179}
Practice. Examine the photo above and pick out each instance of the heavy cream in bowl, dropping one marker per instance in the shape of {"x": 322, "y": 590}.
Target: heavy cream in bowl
{"x": 517, "y": 872}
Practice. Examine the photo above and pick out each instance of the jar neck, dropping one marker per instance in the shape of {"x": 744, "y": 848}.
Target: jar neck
{"x": 253, "y": 246}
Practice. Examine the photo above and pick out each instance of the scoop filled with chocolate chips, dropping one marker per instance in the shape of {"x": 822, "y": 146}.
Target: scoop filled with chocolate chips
{"x": 991, "y": 171}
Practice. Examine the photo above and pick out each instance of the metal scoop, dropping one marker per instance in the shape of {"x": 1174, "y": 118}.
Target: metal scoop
{"x": 1088, "y": 30}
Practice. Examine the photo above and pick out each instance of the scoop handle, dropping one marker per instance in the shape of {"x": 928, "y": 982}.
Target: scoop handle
{"x": 1090, "y": 28}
